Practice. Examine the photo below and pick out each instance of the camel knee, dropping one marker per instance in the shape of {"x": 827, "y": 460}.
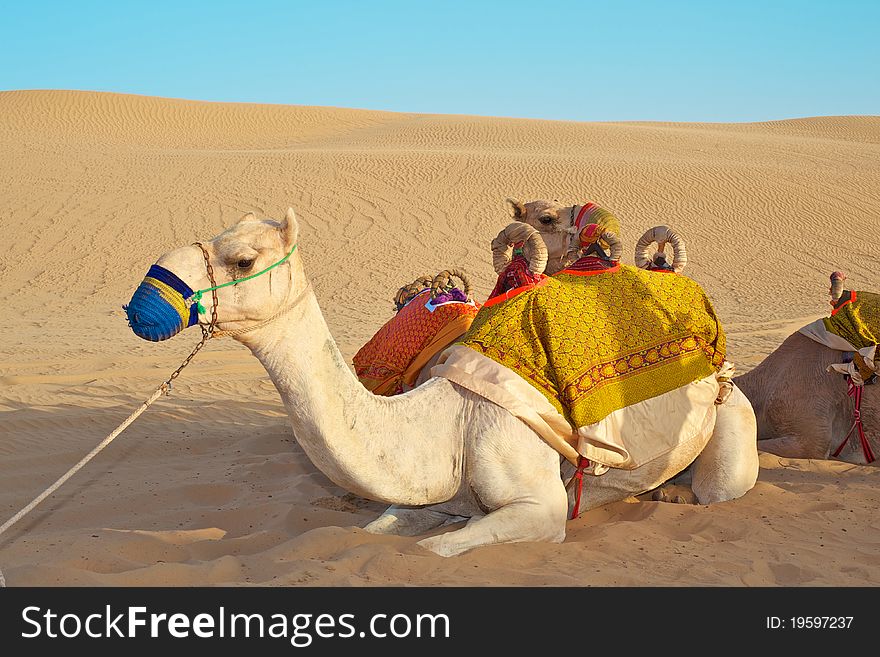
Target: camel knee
{"x": 555, "y": 510}
{"x": 544, "y": 514}
{"x": 538, "y": 517}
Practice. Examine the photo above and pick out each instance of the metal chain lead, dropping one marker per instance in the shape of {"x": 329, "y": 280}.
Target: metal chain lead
{"x": 207, "y": 331}
{"x": 164, "y": 388}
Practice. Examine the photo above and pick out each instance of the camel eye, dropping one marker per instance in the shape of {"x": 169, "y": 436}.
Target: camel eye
{"x": 246, "y": 264}
{"x": 546, "y": 220}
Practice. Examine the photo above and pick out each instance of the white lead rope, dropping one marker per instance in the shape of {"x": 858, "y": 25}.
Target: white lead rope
{"x": 207, "y": 333}
{"x": 88, "y": 457}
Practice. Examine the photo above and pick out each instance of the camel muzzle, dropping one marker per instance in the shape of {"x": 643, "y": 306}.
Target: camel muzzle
{"x": 160, "y": 308}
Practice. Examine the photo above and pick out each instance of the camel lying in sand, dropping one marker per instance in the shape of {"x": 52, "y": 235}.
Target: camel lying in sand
{"x": 800, "y": 392}
{"x": 440, "y": 452}
{"x": 803, "y": 411}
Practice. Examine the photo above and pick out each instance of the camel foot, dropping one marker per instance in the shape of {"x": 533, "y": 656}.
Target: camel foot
{"x": 404, "y": 521}
{"x": 659, "y": 495}
{"x": 437, "y": 545}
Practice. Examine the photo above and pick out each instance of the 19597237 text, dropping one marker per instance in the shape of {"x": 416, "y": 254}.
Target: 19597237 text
{"x": 809, "y": 622}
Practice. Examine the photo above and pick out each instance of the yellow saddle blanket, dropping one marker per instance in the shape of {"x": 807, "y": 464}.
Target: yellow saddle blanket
{"x": 595, "y": 342}
{"x": 857, "y": 319}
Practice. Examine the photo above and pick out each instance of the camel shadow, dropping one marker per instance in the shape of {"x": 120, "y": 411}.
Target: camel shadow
{"x": 183, "y": 464}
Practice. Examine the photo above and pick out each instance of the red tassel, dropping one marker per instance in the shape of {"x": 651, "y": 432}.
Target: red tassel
{"x": 579, "y": 477}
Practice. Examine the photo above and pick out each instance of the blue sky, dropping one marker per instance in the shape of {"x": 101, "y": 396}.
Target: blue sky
{"x": 586, "y": 61}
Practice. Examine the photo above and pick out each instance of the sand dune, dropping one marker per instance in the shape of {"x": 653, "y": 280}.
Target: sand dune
{"x": 209, "y": 486}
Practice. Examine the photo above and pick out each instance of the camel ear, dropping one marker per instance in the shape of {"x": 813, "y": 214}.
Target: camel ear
{"x": 289, "y": 228}
{"x": 248, "y": 218}
{"x": 517, "y": 209}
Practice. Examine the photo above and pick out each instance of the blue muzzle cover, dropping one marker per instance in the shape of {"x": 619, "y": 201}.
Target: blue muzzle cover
{"x": 158, "y": 309}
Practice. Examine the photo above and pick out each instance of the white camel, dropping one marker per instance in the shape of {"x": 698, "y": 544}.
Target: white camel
{"x": 439, "y": 453}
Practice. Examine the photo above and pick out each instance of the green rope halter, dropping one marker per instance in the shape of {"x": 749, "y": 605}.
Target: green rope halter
{"x": 197, "y": 296}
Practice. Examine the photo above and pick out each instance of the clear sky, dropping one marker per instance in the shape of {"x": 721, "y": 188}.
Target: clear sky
{"x": 595, "y": 60}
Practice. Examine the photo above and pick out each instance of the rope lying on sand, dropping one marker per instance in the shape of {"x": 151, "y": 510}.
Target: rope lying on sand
{"x": 164, "y": 388}
{"x": 88, "y": 457}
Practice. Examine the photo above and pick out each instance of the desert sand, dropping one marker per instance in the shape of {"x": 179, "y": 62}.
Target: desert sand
{"x": 210, "y": 487}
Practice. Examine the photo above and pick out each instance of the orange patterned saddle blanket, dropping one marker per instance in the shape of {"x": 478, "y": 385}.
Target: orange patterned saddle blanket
{"x": 391, "y": 361}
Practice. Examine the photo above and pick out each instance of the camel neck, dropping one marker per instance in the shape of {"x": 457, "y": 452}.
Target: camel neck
{"x": 402, "y": 450}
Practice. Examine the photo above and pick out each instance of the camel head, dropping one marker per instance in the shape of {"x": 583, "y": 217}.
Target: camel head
{"x": 554, "y": 221}
{"x": 561, "y": 227}
{"x": 169, "y": 298}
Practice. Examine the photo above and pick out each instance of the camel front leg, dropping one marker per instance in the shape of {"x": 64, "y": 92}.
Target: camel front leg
{"x": 792, "y": 447}
{"x": 407, "y": 521}
{"x": 810, "y": 441}
{"x": 519, "y": 521}
{"x": 805, "y": 434}
{"x": 513, "y": 475}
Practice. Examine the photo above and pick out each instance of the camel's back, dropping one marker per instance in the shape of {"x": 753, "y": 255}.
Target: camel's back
{"x": 792, "y": 375}
{"x": 799, "y": 366}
